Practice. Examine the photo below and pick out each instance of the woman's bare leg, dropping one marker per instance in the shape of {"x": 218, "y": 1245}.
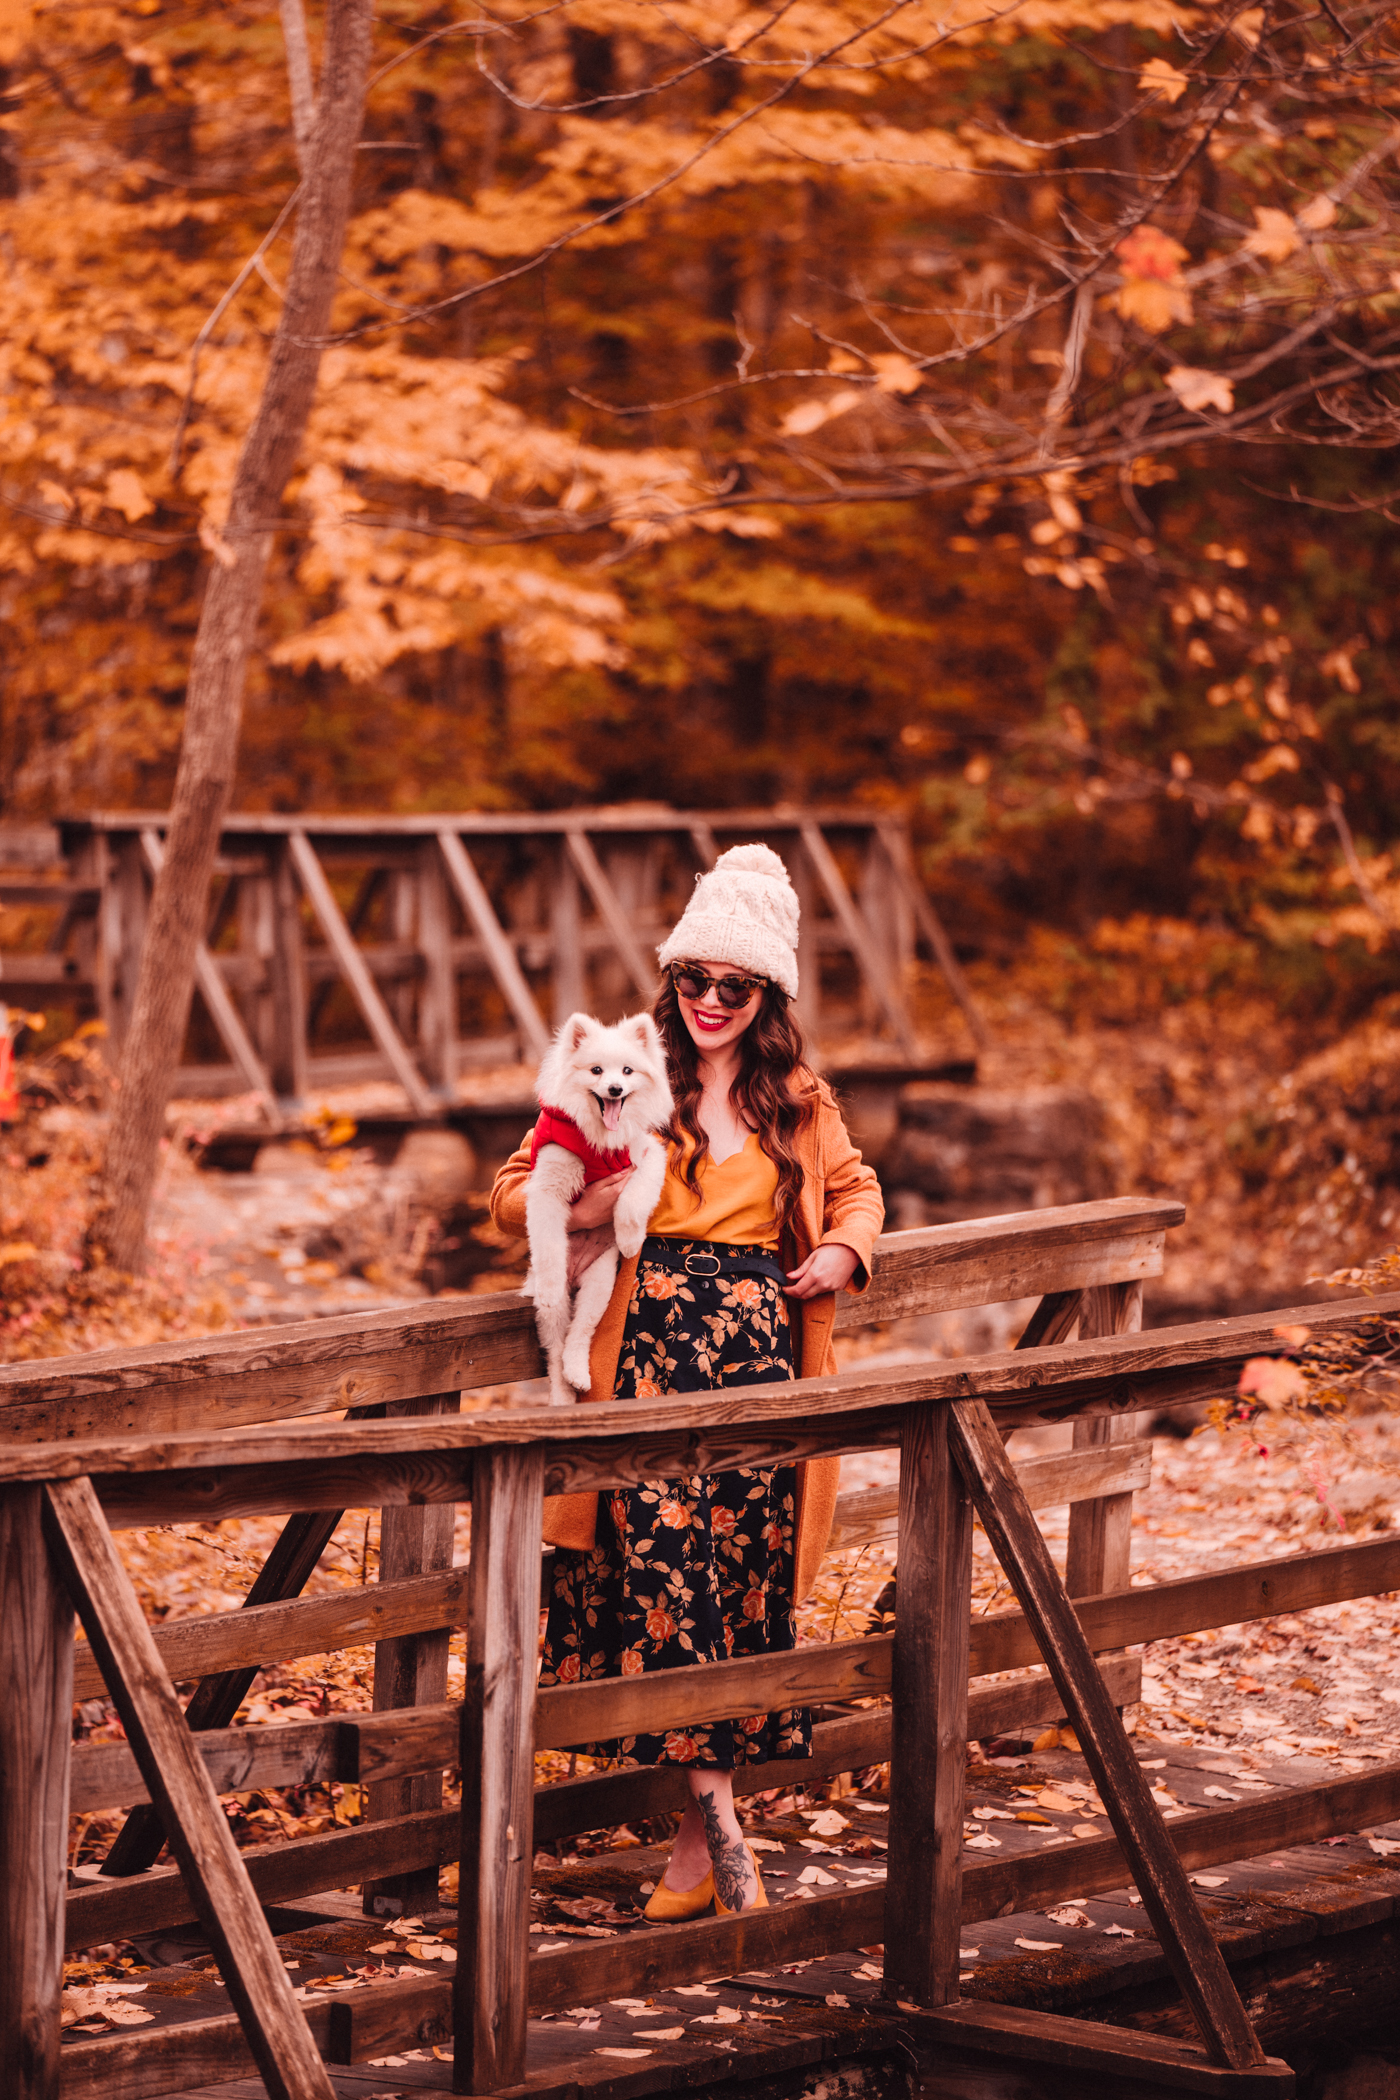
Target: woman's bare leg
{"x": 711, "y": 1841}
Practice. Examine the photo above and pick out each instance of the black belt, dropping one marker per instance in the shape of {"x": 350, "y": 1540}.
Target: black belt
{"x": 709, "y": 1258}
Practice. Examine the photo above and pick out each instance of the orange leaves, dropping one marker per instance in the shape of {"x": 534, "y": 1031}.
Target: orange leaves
{"x": 1153, "y": 292}
{"x": 1158, "y": 77}
{"x": 1272, "y": 1381}
{"x": 1275, "y": 236}
{"x": 1199, "y": 390}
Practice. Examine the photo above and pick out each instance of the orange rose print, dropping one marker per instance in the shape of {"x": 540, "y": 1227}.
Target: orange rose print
{"x": 631, "y": 1664}
{"x": 657, "y": 1284}
{"x": 723, "y": 1521}
{"x": 648, "y": 1389}
{"x": 744, "y": 1291}
{"x": 570, "y": 1670}
{"x": 660, "y": 1624}
{"x": 681, "y": 1748}
{"x": 753, "y": 1604}
{"x": 674, "y": 1515}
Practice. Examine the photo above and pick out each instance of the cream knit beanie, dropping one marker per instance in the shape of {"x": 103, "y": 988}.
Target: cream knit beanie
{"x": 743, "y": 912}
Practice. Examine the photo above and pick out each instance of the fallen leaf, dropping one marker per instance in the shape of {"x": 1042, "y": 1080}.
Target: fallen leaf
{"x": 722, "y": 2016}
{"x": 1384, "y": 1846}
{"x": 1210, "y": 1881}
{"x": 1305, "y": 1684}
{"x": 1050, "y": 1797}
{"x": 1041, "y": 1946}
{"x": 665, "y": 2034}
{"x": 817, "y": 1876}
{"x": 1087, "y": 1830}
{"x": 1122, "y": 1932}
{"x": 754, "y": 1844}
{"x": 1031, "y": 1815}
{"x": 835, "y": 1998}
{"x": 1068, "y": 1914}
{"x": 982, "y": 1842}
{"x": 622, "y": 2052}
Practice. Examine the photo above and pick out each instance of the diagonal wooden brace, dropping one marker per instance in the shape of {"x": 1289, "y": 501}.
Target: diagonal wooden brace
{"x": 180, "y": 1786}
{"x": 1016, "y": 1538}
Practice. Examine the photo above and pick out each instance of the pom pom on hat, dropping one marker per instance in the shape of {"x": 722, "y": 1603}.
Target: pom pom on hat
{"x": 744, "y": 912}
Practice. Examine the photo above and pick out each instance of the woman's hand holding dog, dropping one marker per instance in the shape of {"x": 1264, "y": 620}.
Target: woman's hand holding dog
{"x": 828, "y": 1268}
{"x": 590, "y": 1222}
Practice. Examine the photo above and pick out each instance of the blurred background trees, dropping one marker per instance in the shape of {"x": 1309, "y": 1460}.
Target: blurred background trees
{"x": 989, "y": 410}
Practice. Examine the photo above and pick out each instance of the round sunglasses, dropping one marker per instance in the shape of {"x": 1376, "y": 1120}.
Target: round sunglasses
{"x": 734, "y": 992}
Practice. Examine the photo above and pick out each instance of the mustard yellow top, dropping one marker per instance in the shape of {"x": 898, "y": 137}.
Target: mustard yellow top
{"x": 737, "y": 1204}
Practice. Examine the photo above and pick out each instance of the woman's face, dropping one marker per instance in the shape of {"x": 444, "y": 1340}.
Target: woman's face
{"x": 712, "y": 1025}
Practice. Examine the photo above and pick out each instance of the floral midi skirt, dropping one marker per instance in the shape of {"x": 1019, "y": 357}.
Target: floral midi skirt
{"x": 688, "y": 1571}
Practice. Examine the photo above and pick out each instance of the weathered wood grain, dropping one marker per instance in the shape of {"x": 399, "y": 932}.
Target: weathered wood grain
{"x": 315, "y": 1367}
{"x": 989, "y": 1261}
{"x": 1029, "y": 2037}
{"x": 265, "y": 1633}
{"x": 872, "y": 1514}
{"x": 284, "y": 1574}
{"x": 322, "y": 1366}
{"x": 333, "y": 1859}
{"x": 369, "y": 1747}
{"x": 929, "y": 1721}
{"x": 196, "y": 1827}
{"x": 1100, "y": 1531}
{"x": 1120, "y": 1374}
{"x": 147, "y": 2063}
{"x": 1016, "y": 1538}
{"x": 410, "y": 1670}
{"x": 36, "y": 1676}
{"x": 498, "y": 1772}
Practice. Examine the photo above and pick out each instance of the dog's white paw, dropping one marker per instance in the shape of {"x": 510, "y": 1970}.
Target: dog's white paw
{"x": 576, "y": 1368}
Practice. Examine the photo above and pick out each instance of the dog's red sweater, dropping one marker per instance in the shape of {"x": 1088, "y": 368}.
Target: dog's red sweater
{"x": 555, "y": 1128}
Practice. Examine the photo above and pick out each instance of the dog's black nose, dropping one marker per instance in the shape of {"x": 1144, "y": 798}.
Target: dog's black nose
{"x": 614, "y": 1092}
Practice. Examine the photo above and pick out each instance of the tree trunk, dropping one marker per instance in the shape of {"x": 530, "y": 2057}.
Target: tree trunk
{"x": 227, "y": 625}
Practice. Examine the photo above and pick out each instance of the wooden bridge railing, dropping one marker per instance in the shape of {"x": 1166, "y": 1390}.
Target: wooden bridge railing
{"x": 139, "y": 1438}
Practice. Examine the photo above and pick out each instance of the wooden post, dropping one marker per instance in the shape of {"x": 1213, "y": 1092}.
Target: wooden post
{"x": 36, "y": 1734}
{"x": 931, "y": 927}
{"x": 405, "y": 888}
{"x": 179, "y": 1784}
{"x": 809, "y": 954}
{"x": 491, "y": 1990}
{"x": 255, "y": 945}
{"x": 641, "y": 968}
{"x": 287, "y": 985}
{"x": 500, "y": 951}
{"x": 93, "y": 864}
{"x": 928, "y": 1744}
{"x": 870, "y": 963}
{"x": 437, "y": 997}
{"x": 570, "y": 975}
{"x": 355, "y": 970}
{"x": 414, "y": 1539}
{"x": 1186, "y": 1940}
{"x": 1101, "y": 1532}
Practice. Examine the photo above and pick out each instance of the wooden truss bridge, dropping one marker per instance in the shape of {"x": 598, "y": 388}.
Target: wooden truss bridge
{"x": 431, "y": 926}
{"x": 204, "y": 1431}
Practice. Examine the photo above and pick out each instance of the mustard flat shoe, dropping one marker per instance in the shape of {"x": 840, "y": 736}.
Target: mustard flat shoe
{"x": 760, "y": 1901}
{"x": 671, "y": 1906}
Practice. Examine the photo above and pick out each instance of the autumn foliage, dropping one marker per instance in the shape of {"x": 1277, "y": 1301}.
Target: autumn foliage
{"x": 981, "y": 409}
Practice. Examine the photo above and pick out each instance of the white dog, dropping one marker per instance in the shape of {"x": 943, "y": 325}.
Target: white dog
{"x": 603, "y": 1096}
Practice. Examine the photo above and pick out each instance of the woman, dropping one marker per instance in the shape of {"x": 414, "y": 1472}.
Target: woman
{"x": 766, "y": 1206}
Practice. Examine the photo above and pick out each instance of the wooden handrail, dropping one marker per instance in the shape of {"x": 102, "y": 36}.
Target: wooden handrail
{"x": 365, "y": 1359}
{"x": 313, "y": 1465}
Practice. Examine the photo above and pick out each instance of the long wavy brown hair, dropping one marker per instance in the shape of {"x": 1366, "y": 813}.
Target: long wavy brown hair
{"x": 774, "y": 1092}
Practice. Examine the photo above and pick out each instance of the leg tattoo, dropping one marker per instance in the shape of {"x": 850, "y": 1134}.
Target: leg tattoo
{"x": 729, "y": 1858}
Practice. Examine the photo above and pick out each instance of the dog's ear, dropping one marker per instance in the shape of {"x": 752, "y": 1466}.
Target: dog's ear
{"x": 572, "y": 1033}
{"x": 643, "y": 1030}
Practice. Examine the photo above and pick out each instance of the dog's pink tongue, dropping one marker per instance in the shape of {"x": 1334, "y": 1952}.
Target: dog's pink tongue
{"x": 612, "y": 1114}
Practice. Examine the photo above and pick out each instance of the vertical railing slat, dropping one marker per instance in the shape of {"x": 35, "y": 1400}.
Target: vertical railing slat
{"x": 491, "y": 1987}
{"x": 923, "y": 1913}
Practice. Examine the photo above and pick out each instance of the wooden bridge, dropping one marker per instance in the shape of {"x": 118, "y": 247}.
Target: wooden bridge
{"x": 205, "y": 1431}
{"x": 445, "y": 941}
